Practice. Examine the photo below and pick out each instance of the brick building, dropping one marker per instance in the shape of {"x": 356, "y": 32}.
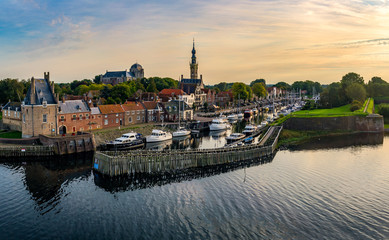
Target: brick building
{"x": 73, "y": 116}
{"x": 175, "y": 108}
{"x": 134, "y": 113}
{"x": 112, "y": 115}
{"x": 155, "y": 112}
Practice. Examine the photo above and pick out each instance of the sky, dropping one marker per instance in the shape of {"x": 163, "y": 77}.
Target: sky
{"x": 236, "y": 41}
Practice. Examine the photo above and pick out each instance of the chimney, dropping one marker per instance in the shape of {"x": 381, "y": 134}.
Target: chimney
{"x": 201, "y": 76}
{"x": 52, "y": 87}
{"x": 47, "y": 76}
{"x": 182, "y": 76}
{"x": 32, "y": 91}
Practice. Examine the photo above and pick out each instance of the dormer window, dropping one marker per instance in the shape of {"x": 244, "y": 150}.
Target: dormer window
{"x": 44, "y": 103}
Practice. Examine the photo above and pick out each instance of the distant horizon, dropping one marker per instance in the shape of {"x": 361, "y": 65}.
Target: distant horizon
{"x": 235, "y": 41}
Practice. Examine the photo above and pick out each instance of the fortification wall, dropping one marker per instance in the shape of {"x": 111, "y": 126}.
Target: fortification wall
{"x": 370, "y": 123}
{"x": 69, "y": 144}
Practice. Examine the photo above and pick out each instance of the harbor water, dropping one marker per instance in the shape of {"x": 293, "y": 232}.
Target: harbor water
{"x": 327, "y": 188}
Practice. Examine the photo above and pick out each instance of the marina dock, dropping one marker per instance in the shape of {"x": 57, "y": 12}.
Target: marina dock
{"x": 144, "y": 161}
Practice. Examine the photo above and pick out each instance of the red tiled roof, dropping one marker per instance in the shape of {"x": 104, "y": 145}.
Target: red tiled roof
{"x": 172, "y": 91}
{"x": 150, "y": 105}
{"x": 129, "y": 106}
{"x": 110, "y": 108}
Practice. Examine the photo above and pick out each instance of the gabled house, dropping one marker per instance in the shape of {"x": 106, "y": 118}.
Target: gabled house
{"x": 170, "y": 94}
{"x": 12, "y": 116}
{"x": 177, "y": 108}
{"x": 134, "y": 113}
{"x": 155, "y": 112}
{"x": 74, "y": 116}
{"x": 112, "y": 115}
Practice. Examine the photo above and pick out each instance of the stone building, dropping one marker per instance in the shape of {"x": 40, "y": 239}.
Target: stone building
{"x": 73, "y": 116}
{"x": 12, "y": 116}
{"x": 39, "y": 108}
{"x": 115, "y": 77}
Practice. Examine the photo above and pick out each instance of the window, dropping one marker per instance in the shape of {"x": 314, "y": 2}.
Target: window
{"x": 62, "y": 118}
{"x": 117, "y": 120}
{"x": 138, "y": 118}
{"x": 105, "y": 121}
{"x": 45, "y": 118}
{"x": 74, "y": 117}
{"x": 133, "y": 112}
{"x": 9, "y": 112}
{"x": 5, "y": 112}
{"x": 130, "y": 119}
{"x": 128, "y": 113}
{"x": 117, "y": 114}
{"x": 87, "y": 116}
{"x": 44, "y": 103}
{"x": 80, "y": 116}
{"x": 137, "y": 112}
{"x": 24, "y": 118}
{"x": 106, "y": 116}
{"x": 81, "y": 129}
{"x": 18, "y": 114}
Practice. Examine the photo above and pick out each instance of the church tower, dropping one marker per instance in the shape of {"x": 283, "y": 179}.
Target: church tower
{"x": 193, "y": 65}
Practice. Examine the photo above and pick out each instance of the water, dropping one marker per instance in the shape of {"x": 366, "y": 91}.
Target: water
{"x": 329, "y": 188}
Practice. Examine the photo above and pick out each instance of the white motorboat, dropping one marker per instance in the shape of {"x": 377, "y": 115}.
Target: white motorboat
{"x": 219, "y": 124}
{"x": 181, "y": 132}
{"x": 125, "y": 142}
{"x": 263, "y": 124}
{"x": 158, "y": 136}
{"x": 235, "y": 137}
{"x": 249, "y": 129}
{"x": 240, "y": 116}
{"x": 232, "y": 118}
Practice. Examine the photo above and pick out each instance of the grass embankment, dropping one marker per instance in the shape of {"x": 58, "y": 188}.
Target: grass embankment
{"x": 386, "y": 126}
{"x": 11, "y": 134}
{"x": 292, "y": 137}
{"x": 342, "y": 111}
{"x": 371, "y": 106}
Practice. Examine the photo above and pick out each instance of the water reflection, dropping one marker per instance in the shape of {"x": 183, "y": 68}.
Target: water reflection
{"x": 45, "y": 180}
{"x": 341, "y": 141}
{"x": 141, "y": 181}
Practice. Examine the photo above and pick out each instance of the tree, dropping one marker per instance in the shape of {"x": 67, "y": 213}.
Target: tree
{"x": 121, "y": 91}
{"x": 356, "y": 91}
{"x": 152, "y": 86}
{"x": 11, "y": 89}
{"x": 351, "y": 78}
{"x": 378, "y": 80}
{"x": 261, "y": 80}
{"x": 283, "y": 86}
{"x": 97, "y": 79}
{"x": 259, "y": 90}
{"x": 240, "y": 91}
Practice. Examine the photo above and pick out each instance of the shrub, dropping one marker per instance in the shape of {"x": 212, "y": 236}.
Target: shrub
{"x": 355, "y": 105}
{"x": 383, "y": 109}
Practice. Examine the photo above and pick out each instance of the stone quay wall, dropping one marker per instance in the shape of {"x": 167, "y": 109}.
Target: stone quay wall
{"x": 370, "y": 123}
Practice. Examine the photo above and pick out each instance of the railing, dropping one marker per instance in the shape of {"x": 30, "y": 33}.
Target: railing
{"x": 146, "y": 161}
{"x": 26, "y": 151}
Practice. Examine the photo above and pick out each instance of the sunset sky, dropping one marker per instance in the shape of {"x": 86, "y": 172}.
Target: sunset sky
{"x": 285, "y": 40}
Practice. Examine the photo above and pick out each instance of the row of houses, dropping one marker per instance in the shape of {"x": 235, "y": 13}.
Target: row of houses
{"x": 41, "y": 112}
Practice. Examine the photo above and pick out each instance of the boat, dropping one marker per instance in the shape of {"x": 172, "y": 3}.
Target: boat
{"x": 249, "y": 140}
{"x": 219, "y": 124}
{"x": 127, "y": 141}
{"x": 158, "y": 136}
{"x": 235, "y": 137}
{"x": 233, "y": 118}
{"x": 240, "y": 116}
{"x": 249, "y": 129}
{"x": 198, "y": 127}
{"x": 217, "y": 134}
{"x": 263, "y": 124}
{"x": 181, "y": 132}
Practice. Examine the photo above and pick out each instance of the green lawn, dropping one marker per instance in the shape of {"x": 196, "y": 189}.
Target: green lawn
{"x": 371, "y": 106}
{"x": 332, "y": 112}
{"x": 12, "y": 134}
{"x": 386, "y": 126}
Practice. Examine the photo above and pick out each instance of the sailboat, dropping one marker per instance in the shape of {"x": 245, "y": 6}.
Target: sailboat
{"x": 181, "y": 131}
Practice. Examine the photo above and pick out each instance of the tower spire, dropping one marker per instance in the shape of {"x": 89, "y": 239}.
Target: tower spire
{"x": 193, "y": 64}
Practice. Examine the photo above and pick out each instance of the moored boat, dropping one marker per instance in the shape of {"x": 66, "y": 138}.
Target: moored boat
{"x": 158, "y": 136}
{"x": 235, "y": 137}
{"x": 219, "y": 124}
{"x": 249, "y": 129}
{"x": 127, "y": 141}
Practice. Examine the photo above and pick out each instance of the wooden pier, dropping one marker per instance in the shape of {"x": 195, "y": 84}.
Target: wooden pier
{"x": 144, "y": 161}
{"x": 25, "y": 151}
